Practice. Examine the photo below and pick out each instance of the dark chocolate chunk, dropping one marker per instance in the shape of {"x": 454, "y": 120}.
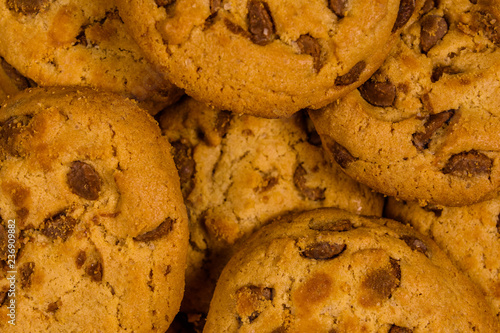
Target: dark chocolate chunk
{"x": 59, "y": 226}
{"x": 95, "y": 271}
{"x": 378, "y": 93}
{"x": 84, "y": 180}
{"x": 323, "y": 250}
{"x": 159, "y": 232}
{"x": 415, "y": 243}
{"x": 338, "y": 7}
{"x": 399, "y": 329}
{"x": 299, "y": 179}
{"x": 80, "y": 259}
{"x": 309, "y": 45}
{"x": 340, "y": 154}
{"x": 434, "y": 122}
{"x": 260, "y": 22}
{"x": 406, "y": 9}
{"x": 351, "y": 76}
{"x": 466, "y": 164}
{"x": 25, "y": 274}
{"x": 433, "y": 29}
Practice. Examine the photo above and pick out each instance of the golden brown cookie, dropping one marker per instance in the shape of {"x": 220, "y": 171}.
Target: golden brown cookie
{"x": 470, "y": 235}
{"x": 100, "y": 236}
{"x": 84, "y": 43}
{"x": 237, "y": 173}
{"x": 426, "y": 125}
{"x": 331, "y": 271}
{"x": 266, "y": 58}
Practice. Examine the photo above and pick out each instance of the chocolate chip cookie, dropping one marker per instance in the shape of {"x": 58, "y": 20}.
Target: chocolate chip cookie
{"x": 100, "y": 232}
{"x": 83, "y": 43}
{"x": 470, "y": 235}
{"x": 331, "y": 271}
{"x": 237, "y": 172}
{"x": 266, "y": 58}
{"x": 426, "y": 125}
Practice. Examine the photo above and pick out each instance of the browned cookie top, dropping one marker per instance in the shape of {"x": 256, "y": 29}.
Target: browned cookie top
{"x": 84, "y": 43}
{"x": 331, "y": 271}
{"x": 426, "y": 125}
{"x": 268, "y": 58}
{"x": 237, "y": 172}
{"x": 101, "y": 233}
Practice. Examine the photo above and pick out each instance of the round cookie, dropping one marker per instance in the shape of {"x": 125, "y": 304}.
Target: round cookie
{"x": 426, "y": 125}
{"x": 238, "y": 172}
{"x": 92, "y": 218}
{"x": 83, "y": 43}
{"x": 266, "y": 58}
{"x": 331, "y": 271}
{"x": 470, "y": 235}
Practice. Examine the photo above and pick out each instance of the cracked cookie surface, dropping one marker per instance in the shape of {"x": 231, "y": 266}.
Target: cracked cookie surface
{"x": 266, "y": 58}
{"x": 426, "y": 125}
{"x": 470, "y": 235}
{"x": 327, "y": 270}
{"x": 83, "y": 43}
{"x": 238, "y": 172}
{"x": 101, "y": 228}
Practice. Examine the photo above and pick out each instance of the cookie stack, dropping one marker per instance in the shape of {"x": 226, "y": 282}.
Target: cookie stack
{"x": 222, "y": 166}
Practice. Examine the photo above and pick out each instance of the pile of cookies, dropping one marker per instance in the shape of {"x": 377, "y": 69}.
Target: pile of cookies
{"x": 252, "y": 166}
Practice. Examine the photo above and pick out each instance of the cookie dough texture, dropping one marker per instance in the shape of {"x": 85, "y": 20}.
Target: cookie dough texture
{"x": 331, "y": 271}
{"x": 266, "y": 58}
{"x": 426, "y": 125}
{"x": 82, "y": 43}
{"x": 238, "y": 172}
{"x": 470, "y": 236}
{"x": 101, "y": 228}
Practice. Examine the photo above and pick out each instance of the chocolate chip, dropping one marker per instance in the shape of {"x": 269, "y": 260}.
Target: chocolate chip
{"x": 378, "y": 93}
{"x": 399, "y": 329}
{"x": 159, "y": 232}
{"x": 59, "y": 226}
{"x": 467, "y": 164}
{"x": 260, "y": 22}
{"x": 334, "y": 226}
{"x": 434, "y": 122}
{"x": 383, "y": 281}
{"x": 415, "y": 243}
{"x": 19, "y": 80}
{"x": 498, "y": 224}
{"x": 28, "y": 6}
{"x": 268, "y": 182}
{"x": 309, "y": 45}
{"x": 84, "y": 180}
{"x": 236, "y": 29}
{"x": 25, "y": 274}
{"x": 439, "y": 71}
{"x": 323, "y": 250}
{"x": 164, "y": 3}
{"x": 338, "y": 7}
{"x": 250, "y": 301}
{"x": 428, "y": 6}
{"x": 53, "y": 307}
{"x": 214, "y": 5}
{"x": 94, "y": 270}
{"x": 80, "y": 259}
{"x": 351, "y": 76}
{"x": 406, "y": 9}
{"x": 12, "y": 133}
{"x": 340, "y": 154}
{"x": 434, "y": 27}
{"x": 433, "y": 208}
{"x": 4, "y": 238}
{"x": 184, "y": 161}
{"x": 299, "y": 179}
{"x": 222, "y": 122}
